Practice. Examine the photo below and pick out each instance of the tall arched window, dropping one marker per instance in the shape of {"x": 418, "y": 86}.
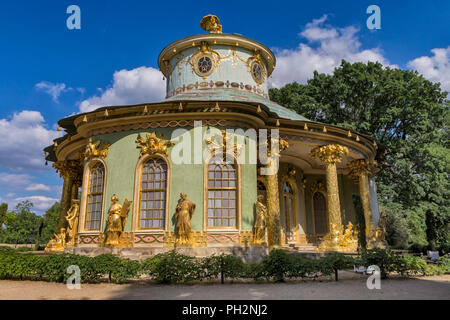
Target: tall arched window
{"x": 95, "y": 197}
{"x": 222, "y": 195}
{"x": 320, "y": 213}
{"x": 289, "y": 211}
{"x": 153, "y": 194}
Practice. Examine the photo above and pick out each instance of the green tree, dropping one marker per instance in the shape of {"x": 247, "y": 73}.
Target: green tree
{"x": 407, "y": 114}
{"x": 50, "y": 221}
{"x": 3, "y": 211}
{"x": 20, "y": 225}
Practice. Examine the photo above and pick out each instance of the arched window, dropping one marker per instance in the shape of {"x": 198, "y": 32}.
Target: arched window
{"x": 222, "y": 195}
{"x": 153, "y": 194}
{"x": 289, "y": 211}
{"x": 320, "y": 213}
{"x": 95, "y": 192}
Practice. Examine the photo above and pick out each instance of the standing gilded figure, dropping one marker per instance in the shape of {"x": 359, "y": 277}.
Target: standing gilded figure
{"x": 183, "y": 214}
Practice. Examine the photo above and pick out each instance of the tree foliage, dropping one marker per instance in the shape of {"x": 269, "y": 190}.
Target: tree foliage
{"x": 20, "y": 225}
{"x": 407, "y": 114}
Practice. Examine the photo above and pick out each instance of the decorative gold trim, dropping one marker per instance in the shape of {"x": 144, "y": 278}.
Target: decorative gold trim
{"x": 204, "y": 51}
{"x": 93, "y": 150}
{"x": 153, "y": 144}
{"x": 253, "y": 61}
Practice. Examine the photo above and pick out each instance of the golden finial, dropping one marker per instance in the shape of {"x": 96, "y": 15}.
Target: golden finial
{"x": 106, "y": 113}
{"x": 217, "y": 108}
{"x": 180, "y": 107}
{"x": 56, "y": 144}
{"x": 278, "y": 123}
{"x": 85, "y": 119}
{"x": 59, "y": 128}
{"x": 211, "y": 23}
{"x": 145, "y": 109}
{"x": 357, "y": 138}
{"x": 349, "y": 134}
{"x": 325, "y": 129}
{"x": 305, "y": 127}
{"x": 259, "y": 109}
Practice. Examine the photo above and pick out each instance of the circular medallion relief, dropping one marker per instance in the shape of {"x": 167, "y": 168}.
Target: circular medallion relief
{"x": 204, "y": 65}
{"x": 258, "y": 72}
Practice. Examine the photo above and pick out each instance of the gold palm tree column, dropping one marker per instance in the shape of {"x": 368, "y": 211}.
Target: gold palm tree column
{"x": 361, "y": 170}
{"x": 330, "y": 155}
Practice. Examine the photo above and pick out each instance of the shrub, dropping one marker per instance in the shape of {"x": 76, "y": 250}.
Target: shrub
{"x": 409, "y": 264}
{"x": 277, "y": 264}
{"x": 444, "y": 264}
{"x": 173, "y": 267}
{"x": 335, "y": 262}
{"x": 227, "y": 266}
{"x": 384, "y": 259}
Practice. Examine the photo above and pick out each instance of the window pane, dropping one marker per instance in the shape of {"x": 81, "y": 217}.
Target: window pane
{"x": 95, "y": 197}
{"x": 153, "y": 194}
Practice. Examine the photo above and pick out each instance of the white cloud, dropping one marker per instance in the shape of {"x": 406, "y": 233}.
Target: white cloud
{"x": 435, "y": 68}
{"x": 41, "y": 203}
{"x": 22, "y": 140}
{"x": 327, "y": 46}
{"x": 52, "y": 89}
{"x": 14, "y": 181}
{"x": 134, "y": 86}
{"x": 37, "y": 187}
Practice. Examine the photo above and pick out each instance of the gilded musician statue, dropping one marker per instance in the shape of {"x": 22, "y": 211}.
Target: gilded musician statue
{"x": 115, "y": 223}
{"x": 260, "y": 221}
{"x": 183, "y": 213}
{"x": 72, "y": 221}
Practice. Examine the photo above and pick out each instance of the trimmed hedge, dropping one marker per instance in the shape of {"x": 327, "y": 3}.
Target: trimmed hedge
{"x": 172, "y": 267}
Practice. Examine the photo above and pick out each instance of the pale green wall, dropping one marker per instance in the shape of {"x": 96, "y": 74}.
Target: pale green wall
{"x": 121, "y": 164}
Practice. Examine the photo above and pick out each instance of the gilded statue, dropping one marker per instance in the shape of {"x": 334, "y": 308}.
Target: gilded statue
{"x": 183, "y": 214}
{"x": 72, "y": 221}
{"x": 153, "y": 144}
{"x": 349, "y": 238}
{"x": 94, "y": 150}
{"x": 115, "y": 223}
{"x": 211, "y": 23}
{"x": 57, "y": 242}
{"x": 260, "y": 221}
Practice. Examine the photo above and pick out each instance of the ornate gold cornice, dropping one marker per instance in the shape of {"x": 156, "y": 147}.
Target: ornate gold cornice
{"x": 153, "y": 144}
{"x": 330, "y": 154}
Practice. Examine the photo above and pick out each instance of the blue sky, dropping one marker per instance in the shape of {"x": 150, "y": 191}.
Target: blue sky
{"x": 49, "y": 72}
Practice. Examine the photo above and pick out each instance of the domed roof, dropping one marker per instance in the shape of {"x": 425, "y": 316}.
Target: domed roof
{"x": 219, "y": 67}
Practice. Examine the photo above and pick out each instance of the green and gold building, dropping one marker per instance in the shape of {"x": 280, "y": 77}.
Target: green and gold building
{"x": 216, "y": 96}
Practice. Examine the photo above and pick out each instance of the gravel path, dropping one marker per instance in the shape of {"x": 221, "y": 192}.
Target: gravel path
{"x": 351, "y": 286}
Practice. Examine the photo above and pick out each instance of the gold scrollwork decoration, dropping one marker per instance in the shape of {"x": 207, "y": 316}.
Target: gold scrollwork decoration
{"x": 94, "y": 150}
{"x": 205, "y": 60}
{"x": 153, "y": 144}
{"x": 256, "y": 68}
{"x": 221, "y": 143}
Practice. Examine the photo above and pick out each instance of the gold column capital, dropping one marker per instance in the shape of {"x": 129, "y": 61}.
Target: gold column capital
{"x": 69, "y": 169}
{"x": 362, "y": 167}
{"x": 329, "y": 154}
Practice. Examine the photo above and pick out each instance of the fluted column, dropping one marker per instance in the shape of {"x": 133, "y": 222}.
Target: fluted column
{"x": 360, "y": 170}
{"x": 330, "y": 155}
